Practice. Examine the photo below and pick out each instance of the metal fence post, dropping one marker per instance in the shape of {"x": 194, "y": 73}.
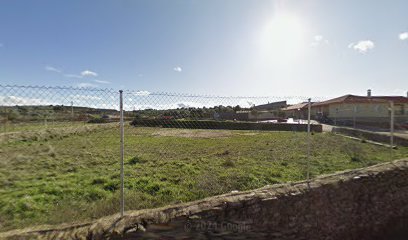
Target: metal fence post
{"x": 309, "y": 106}
{"x": 392, "y": 127}
{"x": 122, "y": 153}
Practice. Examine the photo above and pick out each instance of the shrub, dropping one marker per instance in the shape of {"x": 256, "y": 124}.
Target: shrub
{"x": 98, "y": 120}
{"x": 211, "y": 124}
{"x": 111, "y": 186}
{"x": 136, "y": 160}
{"x": 97, "y": 181}
{"x": 94, "y": 194}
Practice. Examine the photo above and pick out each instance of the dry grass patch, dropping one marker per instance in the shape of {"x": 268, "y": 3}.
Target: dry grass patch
{"x": 189, "y": 133}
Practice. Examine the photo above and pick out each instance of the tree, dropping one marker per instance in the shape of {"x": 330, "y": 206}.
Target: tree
{"x": 237, "y": 108}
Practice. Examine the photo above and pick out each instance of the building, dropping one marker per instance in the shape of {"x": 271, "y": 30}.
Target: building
{"x": 269, "y": 111}
{"x": 248, "y": 115}
{"x": 361, "y": 110}
{"x": 238, "y": 116}
{"x": 271, "y": 106}
{"x": 297, "y": 111}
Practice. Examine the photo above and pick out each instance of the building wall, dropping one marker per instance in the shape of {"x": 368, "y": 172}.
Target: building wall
{"x": 349, "y": 110}
{"x": 363, "y": 112}
{"x": 240, "y": 116}
{"x": 262, "y": 115}
{"x": 298, "y": 114}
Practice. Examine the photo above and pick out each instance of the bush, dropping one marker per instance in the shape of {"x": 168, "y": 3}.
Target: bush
{"x": 94, "y": 194}
{"x": 111, "y": 186}
{"x": 98, "y": 120}
{"x": 211, "y": 124}
{"x": 136, "y": 160}
{"x": 97, "y": 181}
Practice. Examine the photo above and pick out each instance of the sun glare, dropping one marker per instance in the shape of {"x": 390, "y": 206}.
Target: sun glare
{"x": 283, "y": 37}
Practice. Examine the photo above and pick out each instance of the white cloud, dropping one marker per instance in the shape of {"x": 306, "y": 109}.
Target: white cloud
{"x": 86, "y": 85}
{"x": 177, "y": 69}
{"x": 84, "y": 97}
{"x": 88, "y": 73}
{"x": 101, "y": 81}
{"x": 319, "y": 40}
{"x": 52, "y": 69}
{"x": 72, "y": 76}
{"x": 403, "y": 36}
{"x": 15, "y": 100}
{"x": 188, "y": 105}
{"x": 142, "y": 93}
{"x": 362, "y": 46}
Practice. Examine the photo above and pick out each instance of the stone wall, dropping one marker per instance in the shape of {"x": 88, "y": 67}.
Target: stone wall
{"x": 369, "y": 203}
{"x": 369, "y": 135}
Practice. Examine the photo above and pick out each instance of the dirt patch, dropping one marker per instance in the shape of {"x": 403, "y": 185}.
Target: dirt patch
{"x": 248, "y": 133}
{"x": 50, "y": 133}
{"x": 187, "y": 133}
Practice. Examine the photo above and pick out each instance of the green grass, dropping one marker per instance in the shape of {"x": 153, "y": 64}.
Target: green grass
{"x": 76, "y": 177}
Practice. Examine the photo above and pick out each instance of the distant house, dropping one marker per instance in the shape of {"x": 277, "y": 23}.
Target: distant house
{"x": 269, "y": 111}
{"x": 248, "y": 115}
{"x": 297, "y": 111}
{"x": 239, "y": 116}
{"x": 271, "y": 106}
{"x": 362, "y": 110}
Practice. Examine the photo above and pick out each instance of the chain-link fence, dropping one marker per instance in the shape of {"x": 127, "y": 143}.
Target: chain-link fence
{"x": 72, "y": 154}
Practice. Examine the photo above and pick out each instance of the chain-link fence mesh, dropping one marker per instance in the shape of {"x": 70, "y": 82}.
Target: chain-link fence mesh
{"x": 60, "y": 147}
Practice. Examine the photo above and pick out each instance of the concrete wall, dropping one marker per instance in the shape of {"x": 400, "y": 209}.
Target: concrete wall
{"x": 361, "y": 204}
{"x": 369, "y": 135}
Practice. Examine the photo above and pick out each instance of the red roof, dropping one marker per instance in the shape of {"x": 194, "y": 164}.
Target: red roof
{"x": 362, "y": 99}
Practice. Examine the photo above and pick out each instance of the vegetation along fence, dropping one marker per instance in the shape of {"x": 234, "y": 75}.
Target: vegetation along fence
{"x": 70, "y": 154}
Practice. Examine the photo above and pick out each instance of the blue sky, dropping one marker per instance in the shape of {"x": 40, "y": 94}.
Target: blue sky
{"x": 223, "y": 47}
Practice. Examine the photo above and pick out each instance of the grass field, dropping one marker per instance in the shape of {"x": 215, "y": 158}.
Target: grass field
{"x": 75, "y": 176}
{"x": 37, "y": 126}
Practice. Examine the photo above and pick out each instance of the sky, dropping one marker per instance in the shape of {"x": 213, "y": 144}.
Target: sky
{"x": 219, "y": 47}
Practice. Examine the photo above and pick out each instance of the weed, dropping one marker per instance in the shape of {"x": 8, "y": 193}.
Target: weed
{"x": 136, "y": 160}
{"x": 228, "y": 163}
